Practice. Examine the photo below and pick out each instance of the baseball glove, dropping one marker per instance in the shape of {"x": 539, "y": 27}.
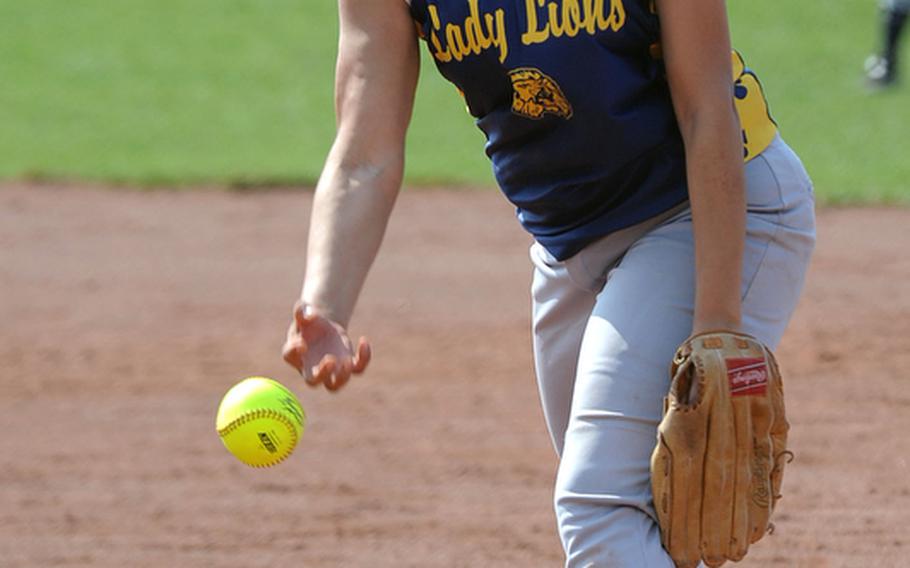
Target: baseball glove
{"x": 721, "y": 447}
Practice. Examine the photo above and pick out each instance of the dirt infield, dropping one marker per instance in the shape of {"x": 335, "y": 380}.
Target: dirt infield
{"x": 125, "y": 315}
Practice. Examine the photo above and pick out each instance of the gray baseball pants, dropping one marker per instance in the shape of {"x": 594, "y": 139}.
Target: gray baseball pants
{"x": 606, "y": 324}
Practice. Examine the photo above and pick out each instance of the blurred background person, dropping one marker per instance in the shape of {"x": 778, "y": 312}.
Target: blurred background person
{"x": 882, "y": 68}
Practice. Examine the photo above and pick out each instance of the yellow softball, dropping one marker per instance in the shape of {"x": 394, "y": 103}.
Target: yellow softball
{"x": 260, "y": 421}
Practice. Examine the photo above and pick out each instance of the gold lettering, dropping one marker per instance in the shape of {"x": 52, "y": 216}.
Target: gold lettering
{"x": 571, "y": 17}
{"x": 488, "y": 19}
{"x": 533, "y": 35}
{"x": 619, "y": 11}
{"x": 470, "y": 38}
{"x": 615, "y": 20}
{"x": 555, "y": 27}
{"x": 456, "y": 41}
{"x": 499, "y": 36}
{"x": 477, "y": 40}
{"x": 438, "y": 53}
{"x": 589, "y": 22}
{"x": 545, "y": 19}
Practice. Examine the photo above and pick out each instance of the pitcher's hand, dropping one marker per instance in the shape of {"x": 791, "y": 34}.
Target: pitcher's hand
{"x": 321, "y": 351}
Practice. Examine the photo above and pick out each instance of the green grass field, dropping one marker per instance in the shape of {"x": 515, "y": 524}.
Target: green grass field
{"x": 236, "y": 92}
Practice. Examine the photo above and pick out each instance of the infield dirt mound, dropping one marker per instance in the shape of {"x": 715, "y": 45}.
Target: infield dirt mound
{"x": 125, "y": 316}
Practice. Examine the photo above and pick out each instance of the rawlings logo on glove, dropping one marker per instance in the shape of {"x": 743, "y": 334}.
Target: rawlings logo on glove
{"x": 747, "y": 376}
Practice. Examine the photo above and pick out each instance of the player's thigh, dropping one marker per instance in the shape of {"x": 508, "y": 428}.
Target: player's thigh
{"x": 603, "y": 496}
{"x": 641, "y": 315}
{"x": 560, "y": 309}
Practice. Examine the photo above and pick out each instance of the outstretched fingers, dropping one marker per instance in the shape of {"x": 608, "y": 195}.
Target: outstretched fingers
{"x": 295, "y": 346}
{"x": 321, "y": 372}
{"x": 334, "y": 373}
{"x": 340, "y": 377}
{"x": 362, "y": 356}
{"x": 330, "y": 373}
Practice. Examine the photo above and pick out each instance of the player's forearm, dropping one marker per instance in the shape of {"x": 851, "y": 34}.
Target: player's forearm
{"x": 351, "y": 209}
{"x": 696, "y": 47}
{"x": 376, "y": 76}
{"x": 717, "y": 197}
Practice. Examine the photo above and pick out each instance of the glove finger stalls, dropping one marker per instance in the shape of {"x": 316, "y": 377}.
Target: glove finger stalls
{"x": 718, "y": 508}
{"x": 779, "y": 429}
{"x": 661, "y": 476}
{"x": 762, "y": 464}
{"x": 748, "y": 375}
{"x": 762, "y": 414}
{"x": 679, "y": 464}
{"x": 742, "y": 527}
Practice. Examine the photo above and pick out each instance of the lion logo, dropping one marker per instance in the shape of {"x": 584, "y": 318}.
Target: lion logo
{"x": 536, "y": 94}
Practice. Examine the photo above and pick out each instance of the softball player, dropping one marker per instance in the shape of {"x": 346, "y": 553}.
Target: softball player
{"x": 661, "y": 200}
{"x": 881, "y": 69}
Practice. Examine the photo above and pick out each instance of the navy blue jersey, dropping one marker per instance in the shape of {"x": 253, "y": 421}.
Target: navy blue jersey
{"x": 574, "y": 103}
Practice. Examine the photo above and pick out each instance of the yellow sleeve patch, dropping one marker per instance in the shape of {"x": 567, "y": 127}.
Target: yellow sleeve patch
{"x": 759, "y": 129}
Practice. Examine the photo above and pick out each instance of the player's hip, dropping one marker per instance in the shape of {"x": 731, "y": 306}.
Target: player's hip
{"x": 778, "y": 184}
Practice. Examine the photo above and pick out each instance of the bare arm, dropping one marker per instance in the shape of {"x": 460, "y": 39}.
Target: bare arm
{"x": 376, "y": 76}
{"x": 696, "y": 47}
{"x": 375, "y": 80}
